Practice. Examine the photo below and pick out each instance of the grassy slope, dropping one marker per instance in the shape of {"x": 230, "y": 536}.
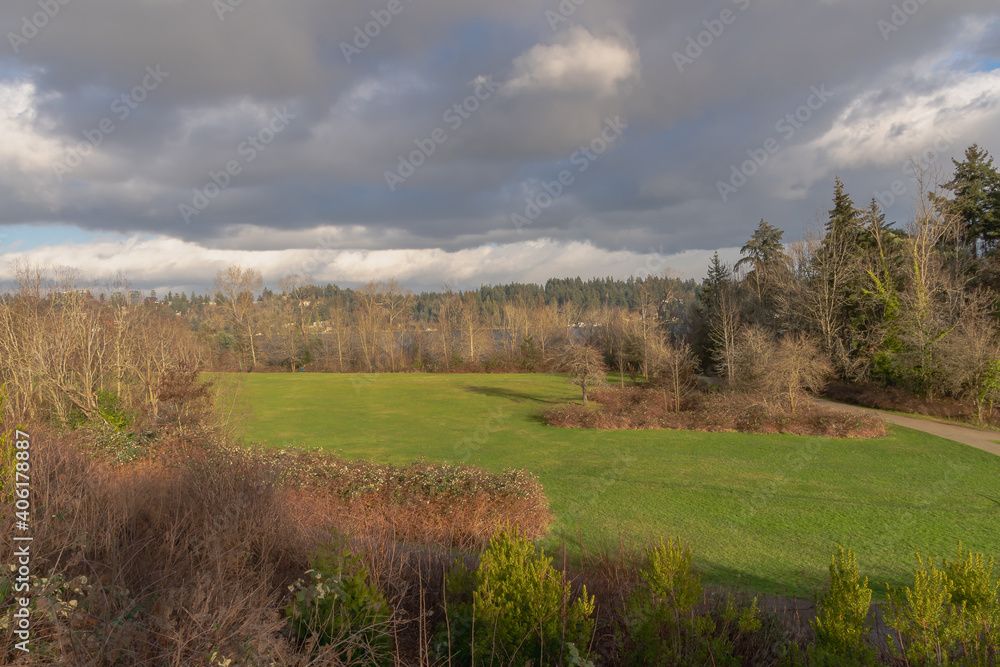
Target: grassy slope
{"x": 765, "y": 511}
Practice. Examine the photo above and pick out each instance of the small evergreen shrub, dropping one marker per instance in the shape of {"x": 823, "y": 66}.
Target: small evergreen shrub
{"x": 921, "y": 615}
{"x": 516, "y": 609}
{"x": 840, "y": 622}
{"x": 976, "y": 591}
{"x": 670, "y": 576}
{"x": 951, "y": 614}
{"x": 337, "y": 605}
{"x": 111, "y": 412}
{"x": 661, "y": 624}
{"x": 664, "y": 602}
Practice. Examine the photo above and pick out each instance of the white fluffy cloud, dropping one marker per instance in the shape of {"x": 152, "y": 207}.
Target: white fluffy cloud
{"x": 580, "y": 62}
{"x": 163, "y": 263}
{"x": 26, "y": 154}
{"x": 925, "y": 123}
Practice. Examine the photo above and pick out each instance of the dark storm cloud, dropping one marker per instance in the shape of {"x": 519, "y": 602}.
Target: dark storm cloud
{"x": 701, "y": 87}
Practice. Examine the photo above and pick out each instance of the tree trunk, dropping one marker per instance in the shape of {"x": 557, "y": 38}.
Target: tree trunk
{"x": 253, "y": 350}
{"x": 677, "y": 387}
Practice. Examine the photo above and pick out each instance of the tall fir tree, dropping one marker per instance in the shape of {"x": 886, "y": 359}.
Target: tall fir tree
{"x": 844, "y": 216}
{"x": 718, "y": 276}
{"x": 975, "y": 189}
{"x": 765, "y": 253}
{"x": 764, "y": 249}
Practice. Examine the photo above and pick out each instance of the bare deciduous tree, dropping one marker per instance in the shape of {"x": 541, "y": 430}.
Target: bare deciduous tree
{"x": 648, "y": 325}
{"x": 396, "y": 302}
{"x": 779, "y": 368}
{"x": 239, "y": 286}
{"x": 622, "y": 340}
{"x": 725, "y": 326}
{"x": 969, "y": 358}
{"x": 370, "y": 319}
{"x": 935, "y": 295}
{"x": 336, "y": 335}
{"x": 513, "y": 321}
{"x": 584, "y": 365}
{"x": 547, "y": 326}
{"x": 797, "y": 366}
{"x": 446, "y": 326}
{"x": 475, "y": 341}
{"x": 673, "y": 367}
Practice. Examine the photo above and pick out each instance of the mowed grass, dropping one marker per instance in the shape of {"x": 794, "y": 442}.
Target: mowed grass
{"x": 763, "y": 512}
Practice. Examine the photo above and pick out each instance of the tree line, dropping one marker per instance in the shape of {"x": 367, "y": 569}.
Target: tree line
{"x": 382, "y": 327}
{"x": 910, "y": 305}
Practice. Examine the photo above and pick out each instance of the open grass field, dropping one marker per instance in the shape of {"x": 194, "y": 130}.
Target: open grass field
{"x": 763, "y": 512}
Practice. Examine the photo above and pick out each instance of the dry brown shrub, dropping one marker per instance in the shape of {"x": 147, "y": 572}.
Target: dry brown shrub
{"x": 189, "y": 553}
{"x": 444, "y": 505}
{"x": 636, "y": 408}
{"x": 181, "y": 557}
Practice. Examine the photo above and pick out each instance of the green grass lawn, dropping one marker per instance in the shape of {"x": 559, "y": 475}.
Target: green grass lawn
{"x": 761, "y": 511}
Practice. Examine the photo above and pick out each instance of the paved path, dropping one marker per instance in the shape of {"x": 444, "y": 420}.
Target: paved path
{"x": 985, "y": 440}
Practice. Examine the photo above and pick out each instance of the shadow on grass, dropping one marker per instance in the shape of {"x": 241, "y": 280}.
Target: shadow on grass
{"x": 516, "y": 396}
{"x": 992, "y": 500}
{"x": 792, "y": 585}
{"x": 538, "y": 418}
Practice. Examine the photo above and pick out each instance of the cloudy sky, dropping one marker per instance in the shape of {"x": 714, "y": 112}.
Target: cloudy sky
{"x": 466, "y": 141}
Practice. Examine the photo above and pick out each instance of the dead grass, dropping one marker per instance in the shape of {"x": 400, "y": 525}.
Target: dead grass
{"x": 187, "y": 554}
{"x": 645, "y": 408}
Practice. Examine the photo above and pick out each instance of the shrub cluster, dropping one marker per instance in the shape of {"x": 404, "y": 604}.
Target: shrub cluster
{"x": 350, "y": 480}
{"x": 338, "y": 605}
{"x": 185, "y": 555}
{"x": 647, "y": 408}
{"x": 159, "y": 561}
{"x": 950, "y": 615}
{"x": 668, "y": 619}
{"x": 448, "y": 505}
